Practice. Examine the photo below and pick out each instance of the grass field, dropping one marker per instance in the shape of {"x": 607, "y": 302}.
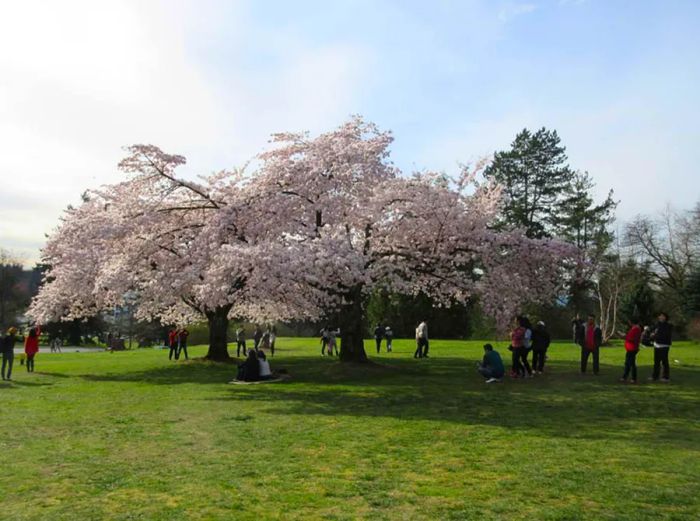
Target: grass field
{"x": 130, "y": 435}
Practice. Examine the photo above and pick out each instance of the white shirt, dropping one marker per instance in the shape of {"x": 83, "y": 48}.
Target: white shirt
{"x": 264, "y": 368}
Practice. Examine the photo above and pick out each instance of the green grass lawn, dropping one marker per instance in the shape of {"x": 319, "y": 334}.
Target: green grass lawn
{"x": 130, "y": 435}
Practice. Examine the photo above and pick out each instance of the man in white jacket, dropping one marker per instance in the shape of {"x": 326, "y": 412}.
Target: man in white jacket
{"x": 422, "y": 340}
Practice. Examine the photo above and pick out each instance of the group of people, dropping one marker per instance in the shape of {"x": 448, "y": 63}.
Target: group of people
{"x": 31, "y": 348}
{"x": 177, "y": 342}
{"x": 255, "y": 368}
{"x": 261, "y": 340}
{"x": 589, "y": 337}
{"x": 383, "y": 333}
{"x": 329, "y": 341}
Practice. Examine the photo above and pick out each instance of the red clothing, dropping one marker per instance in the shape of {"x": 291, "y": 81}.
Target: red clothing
{"x": 633, "y": 337}
{"x": 517, "y": 337}
{"x": 31, "y": 343}
{"x": 172, "y": 338}
{"x": 590, "y": 338}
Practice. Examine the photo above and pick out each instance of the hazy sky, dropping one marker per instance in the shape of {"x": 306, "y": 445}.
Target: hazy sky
{"x": 454, "y": 81}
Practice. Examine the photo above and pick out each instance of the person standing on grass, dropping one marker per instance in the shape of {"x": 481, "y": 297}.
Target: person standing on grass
{"x": 491, "y": 366}
{"x": 172, "y": 343}
{"x": 662, "y": 344}
{"x": 593, "y": 338}
{"x": 540, "y": 344}
{"x": 182, "y": 343}
{"x": 389, "y": 335}
{"x": 240, "y": 342}
{"x": 632, "y": 340}
{"x": 31, "y": 346}
{"x": 378, "y": 335}
{"x": 579, "y": 331}
{"x": 418, "y": 345}
{"x": 273, "y": 337}
{"x": 324, "y": 339}
{"x": 527, "y": 344}
{"x": 332, "y": 334}
{"x": 517, "y": 339}
{"x": 264, "y": 341}
{"x": 257, "y": 336}
{"x": 7, "y": 345}
{"x": 423, "y": 342}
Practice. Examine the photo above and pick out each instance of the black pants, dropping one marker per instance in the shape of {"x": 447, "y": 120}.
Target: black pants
{"x": 241, "y": 344}
{"x": 30, "y": 363}
{"x": 538, "y": 359}
{"x": 173, "y": 352}
{"x": 661, "y": 358}
{"x": 516, "y": 362}
{"x": 630, "y": 365}
{"x": 272, "y": 348}
{"x": 585, "y": 353}
{"x": 183, "y": 347}
{"x": 422, "y": 347}
{"x": 324, "y": 343}
{"x": 8, "y": 358}
{"x": 378, "y": 341}
{"x": 523, "y": 359}
{"x": 488, "y": 372}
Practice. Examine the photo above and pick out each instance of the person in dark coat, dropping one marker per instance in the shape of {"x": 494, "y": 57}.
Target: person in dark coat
{"x": 7, "y": 345}
{"x": 592, "y": 340}
{"x": 662, "y": 344}
{"x": 378, "y": 335}
{"x": 249, "y": 371}
{"x": 257, "y": 336}
{"x": 540, "y": 344}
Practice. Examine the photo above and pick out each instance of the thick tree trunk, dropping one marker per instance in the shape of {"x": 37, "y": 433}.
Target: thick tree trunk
{"x": 218, "y": 334}
{"x": 352, "y": 344}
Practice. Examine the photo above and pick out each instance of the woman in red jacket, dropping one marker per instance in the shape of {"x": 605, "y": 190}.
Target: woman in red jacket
{"x": 632, "y": 339}
{"x": 31, "y": 347}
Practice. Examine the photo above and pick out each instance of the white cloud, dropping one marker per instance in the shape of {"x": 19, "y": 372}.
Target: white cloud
{"x": 512, "y": 10}
{"x": 82, "y": 79}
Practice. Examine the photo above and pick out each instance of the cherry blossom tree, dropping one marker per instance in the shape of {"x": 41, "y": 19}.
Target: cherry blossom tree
{"x": 426, "y": 233}
{"x": 319, "y": 225}
{"x": 182, "y": 251}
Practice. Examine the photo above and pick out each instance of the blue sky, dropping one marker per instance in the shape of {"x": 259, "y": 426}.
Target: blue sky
{"x": 453, "y": 80}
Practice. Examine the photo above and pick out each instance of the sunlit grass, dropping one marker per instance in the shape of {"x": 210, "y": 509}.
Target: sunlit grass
{"x": 133, "y": 436}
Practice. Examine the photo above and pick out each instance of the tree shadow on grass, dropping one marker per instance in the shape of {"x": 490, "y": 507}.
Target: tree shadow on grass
{"x": 562, "y": 403}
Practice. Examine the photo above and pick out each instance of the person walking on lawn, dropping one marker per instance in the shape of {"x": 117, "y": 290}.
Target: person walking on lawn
{"x": 491, "y": 366}
{"x": 378, "y": 335}
{"x": 31, "y": 346}
{"x": 632, "y": 340}
{"x": 389, "y": 335}
{"x": 7, "y": 345}
{"x": 662, "y": 344}
{"x": 592, "y": 340}
{"x": 540, "y": 344}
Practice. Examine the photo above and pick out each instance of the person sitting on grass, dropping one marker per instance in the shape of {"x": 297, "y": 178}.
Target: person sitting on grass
{"x": 491, "y": 367}
{"x": 632, "y": 340}
{"x": 249, "y": 371}
{"x": 264, "y": 365}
